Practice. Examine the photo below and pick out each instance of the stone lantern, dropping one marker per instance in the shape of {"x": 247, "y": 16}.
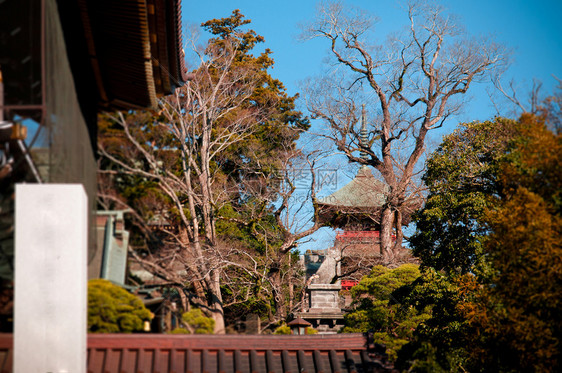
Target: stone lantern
{"x": 298, "y": 326}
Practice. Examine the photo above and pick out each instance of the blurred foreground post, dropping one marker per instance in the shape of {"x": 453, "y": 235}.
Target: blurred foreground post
{"x": 50, "y": 278}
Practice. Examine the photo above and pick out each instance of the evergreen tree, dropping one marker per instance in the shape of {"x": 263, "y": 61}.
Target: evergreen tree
{"x": 491, "y": 226}
{"x": 377, "y": 307}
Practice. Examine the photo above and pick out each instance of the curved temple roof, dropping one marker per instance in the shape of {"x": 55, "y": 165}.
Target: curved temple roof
{"x": 357, "y": 203}
{"x": 364, "y": 191}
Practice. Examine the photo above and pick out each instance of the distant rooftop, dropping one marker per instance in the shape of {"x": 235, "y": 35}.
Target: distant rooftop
{"x": 363, "y": 191}
{"x": 355, "y": 205}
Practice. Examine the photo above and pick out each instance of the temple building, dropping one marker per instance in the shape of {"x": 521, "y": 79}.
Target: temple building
{"x": 354, "y": 211}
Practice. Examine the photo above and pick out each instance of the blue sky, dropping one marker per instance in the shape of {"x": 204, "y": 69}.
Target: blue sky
{"x": 532, "y": 29}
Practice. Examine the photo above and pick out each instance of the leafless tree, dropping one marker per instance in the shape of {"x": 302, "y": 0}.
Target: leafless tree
{"x": 411, "y": 85}
{"x": 292, "y": 206}
{"x": 534, "y": 101}
{"x": 177, "y": 150}
{"x": 512, "y": 94}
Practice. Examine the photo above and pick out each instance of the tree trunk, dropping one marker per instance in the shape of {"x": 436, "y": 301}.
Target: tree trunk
{"x": 183, "y": 298}
{"x": 291, "y": 295}
{"x": 387, "y": 222}
{"x": 277, "y": 287}
{"x": 215, "y": 303}
{"x": 199, "y": 290}
{"x": 398, "y": 229}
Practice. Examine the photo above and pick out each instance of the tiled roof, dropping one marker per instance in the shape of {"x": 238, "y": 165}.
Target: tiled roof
{"x": 364, "y": 191}
{"x": 108, "y": 353}
{"x": 355, "y": 204}
{"x": 359, "y": 201}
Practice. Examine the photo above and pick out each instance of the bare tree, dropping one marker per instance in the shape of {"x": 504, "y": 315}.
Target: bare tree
{"x": 529, "y": 105}
{"x": 410, "y": 85}
{"x": 177, "y": 149}
{"x": 214, "y": 151}
{"x": 293, "y": 222}
{"x": 281, "y": 217}
{"x": 534, "y": 101}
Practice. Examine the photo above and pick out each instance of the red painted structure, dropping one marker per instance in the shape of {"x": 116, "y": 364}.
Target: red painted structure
{"x": 348, "y": 284}
{"x": 357, "y": 234}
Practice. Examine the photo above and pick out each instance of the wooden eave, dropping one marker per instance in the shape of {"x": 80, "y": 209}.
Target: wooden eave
{"x": 345, "y": 216}
{"x": 134, "y": 48}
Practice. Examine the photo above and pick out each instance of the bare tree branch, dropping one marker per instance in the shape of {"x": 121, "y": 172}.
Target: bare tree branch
{"x": 412, "y": 89}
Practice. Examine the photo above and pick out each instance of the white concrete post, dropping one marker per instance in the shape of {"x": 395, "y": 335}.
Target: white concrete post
{"x": 50, "y": 310}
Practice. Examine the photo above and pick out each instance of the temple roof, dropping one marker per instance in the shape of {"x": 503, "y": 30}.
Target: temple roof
{"x": 364, "y": 191}
{"x": 134, "y": 48}
{"x": 123, "y": 54}
{"x": 355, "y": 205}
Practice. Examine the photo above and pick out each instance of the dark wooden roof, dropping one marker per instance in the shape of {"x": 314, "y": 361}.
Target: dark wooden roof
{"x": 123, "y": 54}
{"x": 135, "y": 49}
{"x": 108, "y": 353}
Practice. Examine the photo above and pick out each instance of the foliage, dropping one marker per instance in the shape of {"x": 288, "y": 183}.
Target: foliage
{"x": 378, "y": 309}
{"x": 515, "y": 310}
{"x": 112, "y": 309}
{"x": 492, "y": 226}
{"x": 197, "y": 323}
{"x": 286, "y": 329}
{"x": 438, "y": 342}
{"x": 283, "y": 329}
{"x": 462, "y": 181}
{"x": 311, "y": 331}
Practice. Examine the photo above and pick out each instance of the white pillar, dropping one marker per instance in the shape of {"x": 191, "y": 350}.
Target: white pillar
{"x": 51, "y": 239}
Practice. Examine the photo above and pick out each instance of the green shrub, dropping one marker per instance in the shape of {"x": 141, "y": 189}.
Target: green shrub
{"x": 112, "y": 309}
{"x": 378, "y": 307}
{"x": 283, "y": 329}
{"x": 197, "y": 323}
